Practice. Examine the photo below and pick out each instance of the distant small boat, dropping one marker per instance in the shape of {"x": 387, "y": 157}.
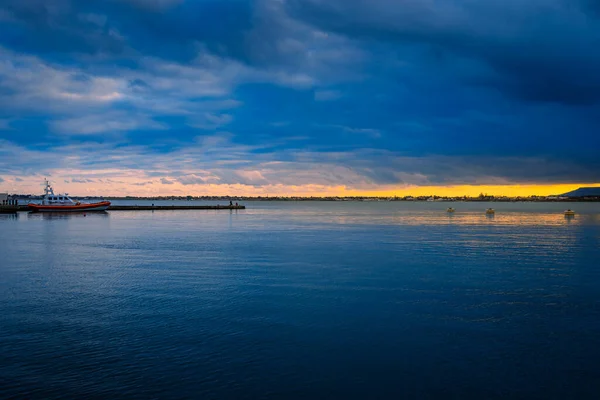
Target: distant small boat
{"x": 63, "y": 203}
{"x": 490, "y": 211}
{"x": 450, "y": 210}
{"x": 569, "y": 213}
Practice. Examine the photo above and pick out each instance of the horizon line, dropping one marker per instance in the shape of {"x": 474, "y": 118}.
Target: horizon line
{"x": 305, "y": 191}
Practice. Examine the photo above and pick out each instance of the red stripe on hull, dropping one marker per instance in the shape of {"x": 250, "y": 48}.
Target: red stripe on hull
{"x": 102, "y": 206}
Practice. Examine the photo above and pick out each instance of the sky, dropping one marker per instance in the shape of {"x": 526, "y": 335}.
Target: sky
{"x": 299, "y": 97}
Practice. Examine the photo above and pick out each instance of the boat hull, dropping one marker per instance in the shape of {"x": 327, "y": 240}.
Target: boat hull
{"x": 101, "y": 206}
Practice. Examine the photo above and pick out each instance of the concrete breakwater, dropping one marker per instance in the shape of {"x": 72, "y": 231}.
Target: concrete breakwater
{"x": 14, "y": 209}
{"x": 147, "y": 208}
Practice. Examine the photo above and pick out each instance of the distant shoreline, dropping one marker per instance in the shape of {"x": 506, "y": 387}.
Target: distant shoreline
{"x": 501, "y": 199}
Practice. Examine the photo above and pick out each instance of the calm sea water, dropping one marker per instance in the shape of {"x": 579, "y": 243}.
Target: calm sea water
{"x": 303, "y": 300}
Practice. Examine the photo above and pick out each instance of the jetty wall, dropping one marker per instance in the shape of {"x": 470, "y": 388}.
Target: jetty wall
{"x": 12, "y": 209}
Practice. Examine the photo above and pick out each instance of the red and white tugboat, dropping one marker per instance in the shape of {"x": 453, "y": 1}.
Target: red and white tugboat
{"x": 63, "y": 203}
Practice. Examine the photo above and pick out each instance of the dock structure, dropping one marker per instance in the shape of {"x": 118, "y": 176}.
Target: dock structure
{"x": 13, "y": 209}
{"x": 152, "y": 208}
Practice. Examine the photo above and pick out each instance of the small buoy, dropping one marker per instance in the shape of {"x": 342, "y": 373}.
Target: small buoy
{"x": 490, "y": 211}
{"x": 570, "y": 213}
{"x": 450, "y": 210}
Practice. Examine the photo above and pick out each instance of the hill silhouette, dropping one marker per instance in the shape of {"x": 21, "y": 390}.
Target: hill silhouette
{"x": 584, "y": 192}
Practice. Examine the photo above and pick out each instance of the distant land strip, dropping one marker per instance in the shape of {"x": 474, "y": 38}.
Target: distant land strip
{"x": 26, "y": 198}
{"x": 581, "y": 194}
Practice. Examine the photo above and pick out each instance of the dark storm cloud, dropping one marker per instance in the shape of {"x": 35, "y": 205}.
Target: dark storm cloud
{"x": 537, "y": 50}
{"x": 60, "y": 26}
{"x": 166, "y": 28}
{"x": 355, "y": 92}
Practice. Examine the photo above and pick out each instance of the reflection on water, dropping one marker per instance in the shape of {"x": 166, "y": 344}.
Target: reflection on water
{"x": 66, "y": 215}
{"x": 343, "y": 217}
{"x": 443, "y": 218}
{"x": 412, "y": 214}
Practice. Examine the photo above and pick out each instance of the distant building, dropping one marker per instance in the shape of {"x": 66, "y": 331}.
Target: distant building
{"x": 6, "y": 200}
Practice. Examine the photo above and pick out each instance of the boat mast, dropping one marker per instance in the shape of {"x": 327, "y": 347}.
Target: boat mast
{"x": 48, "y": 189}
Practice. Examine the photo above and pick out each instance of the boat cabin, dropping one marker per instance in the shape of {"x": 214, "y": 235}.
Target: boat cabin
{"x": 56, "y": 199}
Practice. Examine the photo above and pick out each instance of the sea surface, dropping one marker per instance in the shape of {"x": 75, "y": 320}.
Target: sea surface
{"x": 303, "y": 300}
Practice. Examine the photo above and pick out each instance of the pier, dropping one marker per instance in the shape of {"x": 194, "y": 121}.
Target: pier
{"x": 152, "y": 208}
{"x": 14, "y": 209}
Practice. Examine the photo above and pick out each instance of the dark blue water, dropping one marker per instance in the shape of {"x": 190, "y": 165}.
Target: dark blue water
{"x": 302, "y": 300}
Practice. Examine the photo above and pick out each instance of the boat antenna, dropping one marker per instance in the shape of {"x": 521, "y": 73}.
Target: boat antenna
{"x": 48, "y": 189}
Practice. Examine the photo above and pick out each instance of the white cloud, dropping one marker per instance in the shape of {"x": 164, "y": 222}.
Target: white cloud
{"x": 73, "y": 96}
{"x": 37, "y": 86}
{"x": 81, "y": 98}
{"x": 81, "y": 102}
{"x": 106, "y": 123}
{"x": 210, "y": 121}
{"x": 218, "y": 164}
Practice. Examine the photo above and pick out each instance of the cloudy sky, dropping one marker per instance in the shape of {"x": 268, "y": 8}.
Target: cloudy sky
{"x": 306, "y": 97}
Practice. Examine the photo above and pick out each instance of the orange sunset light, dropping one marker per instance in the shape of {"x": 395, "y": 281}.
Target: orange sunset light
{"x": 136, "y": 186}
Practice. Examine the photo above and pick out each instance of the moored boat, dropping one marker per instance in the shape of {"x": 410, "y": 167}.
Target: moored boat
{"x": 63, "y": 203}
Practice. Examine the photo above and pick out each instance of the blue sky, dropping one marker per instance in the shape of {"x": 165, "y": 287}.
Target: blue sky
{"x": 297, "y": 96}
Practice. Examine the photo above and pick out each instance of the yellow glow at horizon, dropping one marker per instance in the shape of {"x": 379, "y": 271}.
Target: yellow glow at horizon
{"x": 475, "y": 190}
{"x": 129, "y": 185}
